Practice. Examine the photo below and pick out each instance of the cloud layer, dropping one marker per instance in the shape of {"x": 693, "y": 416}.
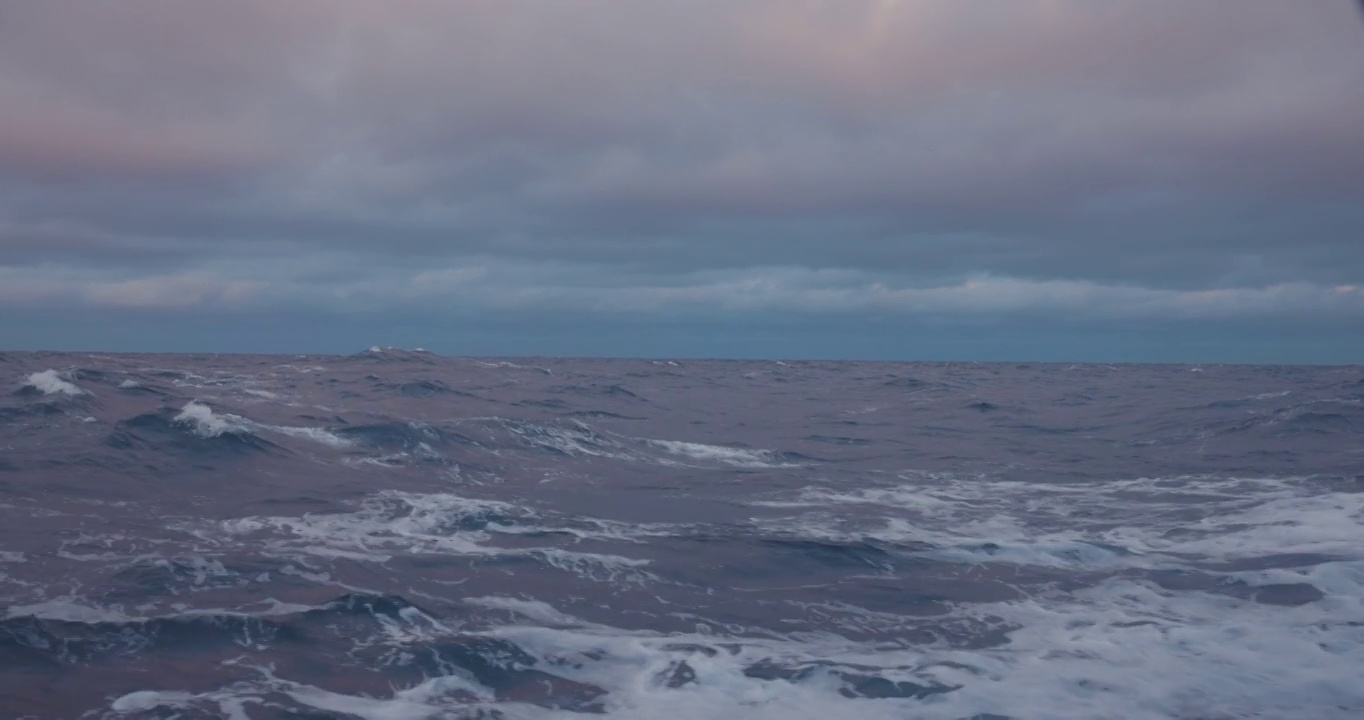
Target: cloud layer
{"x": 1129, "y": 160}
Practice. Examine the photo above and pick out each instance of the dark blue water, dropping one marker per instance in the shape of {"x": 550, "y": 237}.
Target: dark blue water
{"x": 400, "y": 536}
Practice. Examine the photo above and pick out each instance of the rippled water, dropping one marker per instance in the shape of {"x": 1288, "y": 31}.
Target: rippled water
{"x": 400, "y": 536}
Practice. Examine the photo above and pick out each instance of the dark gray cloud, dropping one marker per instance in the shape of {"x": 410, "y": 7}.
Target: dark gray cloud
{"x": 1134, "y": 159}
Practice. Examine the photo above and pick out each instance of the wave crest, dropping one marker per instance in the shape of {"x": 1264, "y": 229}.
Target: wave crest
{"x": 51, "y": 382}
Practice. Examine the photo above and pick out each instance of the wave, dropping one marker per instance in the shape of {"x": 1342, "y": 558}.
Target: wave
{"x": 601, "y": 415}
{"x": 30, "y": 410}
{"x": 405, "y": 443}
{"x": 595, "y": 391}
{"x": 839, "y": 440}
{"x": 856, "y": 553}
{"x": 130, "y": 384}
{"x": 403, "y": 436}
{"x": 64, "y": 632}
{"x": 422, "y": 389}
{"x": 907, "y": 383}
{"x": 196, "y": 427}
{"x": 574, "y": 439}
{"x": 165, "y": 430}
{"x": 1146, "y": 523}
{"x": 51, "y": 382}
{"x": 732, "y": 456}
{"x": 540, "y": 612}
{"x": 208, "y": 424}
{"x": 513, "y": 366}
{"x": 395, "y": 355}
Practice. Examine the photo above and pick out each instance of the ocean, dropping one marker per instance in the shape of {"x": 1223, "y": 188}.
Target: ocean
{"x": 396, "y": 535}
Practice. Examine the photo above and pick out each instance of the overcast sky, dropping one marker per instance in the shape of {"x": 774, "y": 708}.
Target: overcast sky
{"x": 970, "y": 179}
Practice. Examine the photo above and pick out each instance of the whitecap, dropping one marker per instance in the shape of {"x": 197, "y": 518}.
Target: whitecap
{"x": 206, "y": 423}
{"x": 209, "y": 424}
{"x": 51, "y": 382}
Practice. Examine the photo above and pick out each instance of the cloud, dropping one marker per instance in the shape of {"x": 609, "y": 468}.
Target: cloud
{"x": 485, "y": 285}
{"x": 31, "y": 287}
{"x": 1134, "y": 158}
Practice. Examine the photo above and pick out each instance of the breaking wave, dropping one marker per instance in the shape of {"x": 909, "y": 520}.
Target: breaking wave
{"x": 208, "y": 424}
{"x": 51, "y": 382}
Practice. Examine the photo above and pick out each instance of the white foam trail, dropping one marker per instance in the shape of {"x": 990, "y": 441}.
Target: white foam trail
{"x": 69, "y": 610}
{"x": 310, "y": 433}
{"x": 129, "y": 384}
{"x": 144, "y": 700}
{"x": 1327, "y": 524}
{"x": 578, "y": 440}
{"x": 414, "y": 523}
{"x": 1141, "y": 523}
{"x": 50, "y": 382}
{"x": 535, "y": 610}
{"x": 737, "y": 457}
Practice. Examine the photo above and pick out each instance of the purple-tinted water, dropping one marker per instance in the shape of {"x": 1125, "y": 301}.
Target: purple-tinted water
{"x": 396, "y": 535}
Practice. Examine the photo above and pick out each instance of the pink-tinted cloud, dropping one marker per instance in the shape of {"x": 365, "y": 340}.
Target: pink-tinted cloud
{"x": 1135, "y": 146}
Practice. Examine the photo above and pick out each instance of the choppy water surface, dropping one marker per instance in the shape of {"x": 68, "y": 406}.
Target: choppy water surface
{"x": 400, "y": 536}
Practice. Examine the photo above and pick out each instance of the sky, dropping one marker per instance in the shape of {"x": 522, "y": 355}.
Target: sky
{"x": 1066, "y": 180}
